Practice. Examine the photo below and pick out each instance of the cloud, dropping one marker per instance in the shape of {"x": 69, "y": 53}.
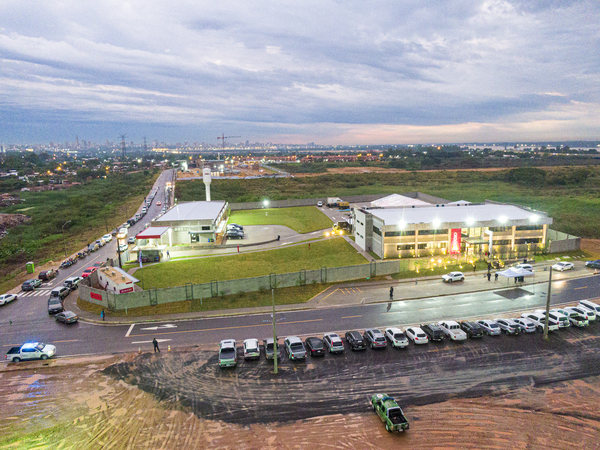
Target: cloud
{"x": 310, "y": 71}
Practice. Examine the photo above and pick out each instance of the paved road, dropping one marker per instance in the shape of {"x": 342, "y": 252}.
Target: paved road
{"x": 87, "y": 338}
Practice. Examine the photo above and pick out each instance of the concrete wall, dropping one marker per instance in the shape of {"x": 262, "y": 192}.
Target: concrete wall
{"x": 228, "y": 287}
{"x": 562, "y": 242}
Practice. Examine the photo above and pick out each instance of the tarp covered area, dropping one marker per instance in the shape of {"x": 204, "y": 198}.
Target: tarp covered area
{"x": 514, "y": 272}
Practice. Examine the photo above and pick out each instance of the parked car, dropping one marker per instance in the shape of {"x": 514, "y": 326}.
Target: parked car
{"x": 55, "y": 305}
{"x": 593, "y": 264}
{"x": 319, "y": 203}
{"x": 417, "y": 335}
{"x": 107, "y": 238}
{"x": 72, "y": 282}
{"x": 333, "y": 343}
{"x": 294, "y": 348}
{"x": 93, "y": 247}
{"x": 31, "y": 284}
{"x": 561, "y": 319}
{"x": 527, "y": 326}
{"x": 125, "y": 225}
{"x": 540, "y": 320}
{"x": 590, "y": 306}
{"x": 46, "y": 275}
{"x": 587, "y": 313}
{"x": 88, "y": 271}
{"x": 239, "y": 227}
{"x": 452, "y": 330}
{"x": 251, "y": 349}
{"x": 100, "y": 242}
{"x": 508, "y": 326}
{"x": 576, "y": 319}
{"x": 31, "y": 350}
{"x": 268, "y": 346}
{"x": 66, "y": 317}
{"x": 123, "y": 248}
{"x": 131, "y": 240}
{"x": 375, "y": 338}
{"x": 314, "y": 346}
{"x": 525, "y": 266}
{"x": 227, "y": 353}
{"x": 433, "y": 332}
{"x": 7, "y": 298}
{"x": 562, "y": 266}
{"x": 234, "y": 234}
{"x": 60, "y": 292}
{"x": 453, "y": 276}
{"x": 473, "y": 330}
{"x": 490, "y": 327}
{"x": 396, "y": 337}
{"x": 355, "y": 340}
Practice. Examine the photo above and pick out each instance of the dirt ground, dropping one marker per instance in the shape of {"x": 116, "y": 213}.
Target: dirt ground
{"x": 524, "y": 395}
{"x": 591, "y": 246}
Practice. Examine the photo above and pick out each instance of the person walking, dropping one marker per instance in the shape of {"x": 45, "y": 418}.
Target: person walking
{"x": 102, "y": 315}
{"x": 489, "y": 275}
{"x": 155, "y": 343}
{"x": 474, "y": 268}
{"x": 496, "y": 276}
{"x": 391, "y": 292}
{"x": 168, "y": 255}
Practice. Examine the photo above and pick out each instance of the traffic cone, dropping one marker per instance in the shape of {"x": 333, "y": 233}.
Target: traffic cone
{"x": 169, "y": 348}
{"x": 140, "y": 350}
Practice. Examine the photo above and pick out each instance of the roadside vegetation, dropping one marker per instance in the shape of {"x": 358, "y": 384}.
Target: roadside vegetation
{"x": 334, "y": 252}
{"x": 303, "y": 219}
{"x": 90, "y": 210}
{"x": 571, "y": 195}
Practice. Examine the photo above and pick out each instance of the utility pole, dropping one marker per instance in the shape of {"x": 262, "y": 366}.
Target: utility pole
{"x": 63, "y": 233}
{"x": 548, "y": 305}
{"x": 275, "y": 344}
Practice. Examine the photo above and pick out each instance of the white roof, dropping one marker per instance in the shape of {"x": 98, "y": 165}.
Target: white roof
{"x": 398, "y": 200}
{"x": 454, "y": 214}
{"x": 459, "y": 202}
{"x": 152, "y": 233}
{"x": 193, "y": 211}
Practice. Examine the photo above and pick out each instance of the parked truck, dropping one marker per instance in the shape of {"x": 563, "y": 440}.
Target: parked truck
{"x": 343, "y": 205}
{"x": 332, "y": 202}
{"x": 31, "y": 350}
{"x": 389, "y": 412}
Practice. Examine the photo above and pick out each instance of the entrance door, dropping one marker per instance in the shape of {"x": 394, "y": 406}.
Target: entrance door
{"x": 195, "y": 238}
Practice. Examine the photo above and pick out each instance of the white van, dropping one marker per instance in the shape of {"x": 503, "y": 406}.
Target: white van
{"x": 591, "y": 306}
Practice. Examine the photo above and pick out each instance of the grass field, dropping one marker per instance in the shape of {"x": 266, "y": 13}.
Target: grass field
{"x": 303, "y": 219}
{"x": 329, "y": 253}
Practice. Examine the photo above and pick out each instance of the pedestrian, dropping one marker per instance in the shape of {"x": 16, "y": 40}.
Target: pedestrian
{"x": 496, "y": 276}
{"x": 168, "y": 256}
{"x": 155, "y": 343}
{"x": 489, "y": 275}
{"x": 391, "y": 292}
{"x": 102, "y": 315}
{"x": 474, "y": 268}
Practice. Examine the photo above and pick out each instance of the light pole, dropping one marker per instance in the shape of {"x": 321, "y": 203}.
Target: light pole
{"x": 63, "y": 233}
{"x": 275, "y": 350}
{"x": 105, "y": 219}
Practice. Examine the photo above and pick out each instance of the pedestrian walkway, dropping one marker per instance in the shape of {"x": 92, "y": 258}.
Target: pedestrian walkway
{"x": 36, "y": 293}
{"x": 366, "y": 292}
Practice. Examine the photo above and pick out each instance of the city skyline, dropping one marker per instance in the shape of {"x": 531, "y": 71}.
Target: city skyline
{"x": 331, "y": 73}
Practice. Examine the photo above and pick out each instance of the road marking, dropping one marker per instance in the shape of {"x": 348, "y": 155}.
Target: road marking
{"x": 351, "y": 317}
{"x": 69, "y": 340}
{"x": 329, "y": 294}
{"x": 583, "y": 287}
{"x": 130, "y": 329}
{"x": 149, "y": 342}
{"x": 229, "y": 328}
{"x": 158, "y": 327}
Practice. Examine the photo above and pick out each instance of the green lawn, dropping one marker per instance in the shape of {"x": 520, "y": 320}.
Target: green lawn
{"x": 302, "y": 219}
{"x": 329, "y": 253}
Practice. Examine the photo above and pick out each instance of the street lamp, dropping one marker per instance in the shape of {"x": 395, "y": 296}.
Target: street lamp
{"x": 265, "y": 203}
{"x": 63, "y": 233}
{"x": 105, "y": 219}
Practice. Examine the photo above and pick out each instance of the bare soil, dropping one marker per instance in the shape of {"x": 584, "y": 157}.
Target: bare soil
{"x": 506, "y": 392}
{"x": 591, "y": 246}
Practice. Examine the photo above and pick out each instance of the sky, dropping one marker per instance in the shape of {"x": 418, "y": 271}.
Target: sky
{"x": 329, "y": 72}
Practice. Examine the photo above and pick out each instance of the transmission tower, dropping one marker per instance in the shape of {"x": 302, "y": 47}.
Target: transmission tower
{"x": 123, "y": 136}
{"x": 223, "y": 137}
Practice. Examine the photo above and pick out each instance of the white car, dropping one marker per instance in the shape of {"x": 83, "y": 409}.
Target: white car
{"x": 123, "y": 248}
{"x": 319, "y": 203}
{"x": 107, "y": 238}
{"x": 587, "y": 313}
{"x": 452, "y": 330}
{"x": 453, "y": 276}
{"x": 561, "y": 319}
{"x": 590, "y": 306}
{"x": 525, "y": 266}
{"x": 576, "y": 319}
{"x": 562, "y": 266}
{"x": 527, "y": 326}
{"x": 490, "y": 327}
{"x": 396, "y": 337}
{"x": 333, "y": 343}
{"x": 251, "y": 349}
{"x": 416, "y": 335}
{"x": 540, "y": 320}
{"x": 6, "y": 298}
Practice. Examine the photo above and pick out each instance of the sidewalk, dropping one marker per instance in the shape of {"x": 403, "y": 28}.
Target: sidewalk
{"x": 361, "y": 292}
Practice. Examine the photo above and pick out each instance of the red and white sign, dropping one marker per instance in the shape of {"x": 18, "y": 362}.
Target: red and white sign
{"x": 97, "y": 296}
{"x": 454, "y": 240}
{"x": 129, "y": 289}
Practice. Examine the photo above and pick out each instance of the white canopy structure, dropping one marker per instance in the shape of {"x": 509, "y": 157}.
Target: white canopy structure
{"x": 514, "y": 272}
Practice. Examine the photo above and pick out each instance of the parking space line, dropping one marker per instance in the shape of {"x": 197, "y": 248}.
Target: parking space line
{"x": 68, "y": 340}
{"x": 351, "y": 317}
{"x": 330, "y": 293}
{"x": 130, "y": 329}
{"x": 582, "y": 287}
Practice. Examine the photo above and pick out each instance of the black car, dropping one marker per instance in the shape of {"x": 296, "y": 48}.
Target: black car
{"x": 593, "y": 264}
{"x": 473, "y": 330}
{"x": 55, "y": 305}
{"x": 433, "y": 332}
{"x": 233, "y": 234}
{"x": 30, "y": 285}
{"x": 66, "y": 317}
{"x": 315, "y": 346}
{"x": 355, "y": 340}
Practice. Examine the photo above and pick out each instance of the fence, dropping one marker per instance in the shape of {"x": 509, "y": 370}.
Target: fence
{"x": 562, "y": 242}
{"x": 149, "y": 297}
{"x": 301, "y": 202}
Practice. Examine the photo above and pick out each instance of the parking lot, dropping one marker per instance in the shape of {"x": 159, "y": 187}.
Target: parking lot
{"x": 342, "y": 384}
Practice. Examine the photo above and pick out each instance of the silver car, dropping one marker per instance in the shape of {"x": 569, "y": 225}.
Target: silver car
{"x": 509, "y": 326}
{"x": 527, "y": 326}
{"x": 490, "y": 327}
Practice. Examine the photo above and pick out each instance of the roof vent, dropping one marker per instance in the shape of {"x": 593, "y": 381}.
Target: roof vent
{"x": 113, "y": 273}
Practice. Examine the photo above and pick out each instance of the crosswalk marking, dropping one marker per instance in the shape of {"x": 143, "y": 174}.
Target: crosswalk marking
{"x": 35, "y": 293}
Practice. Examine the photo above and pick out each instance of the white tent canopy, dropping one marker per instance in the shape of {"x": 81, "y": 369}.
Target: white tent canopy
{"x": 514, "y": 272}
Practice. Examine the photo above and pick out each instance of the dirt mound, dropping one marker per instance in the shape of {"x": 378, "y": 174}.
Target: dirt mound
{"x": 10, "y": 221}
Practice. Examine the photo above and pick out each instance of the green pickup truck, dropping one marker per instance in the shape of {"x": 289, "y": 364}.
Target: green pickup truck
{"x": 389, "y": 412}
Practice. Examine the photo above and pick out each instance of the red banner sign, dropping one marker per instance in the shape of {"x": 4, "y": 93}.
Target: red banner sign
{"x": 129, "y": 289}
{"x": 96, "y": 296}
{"x": 454, "y": 241}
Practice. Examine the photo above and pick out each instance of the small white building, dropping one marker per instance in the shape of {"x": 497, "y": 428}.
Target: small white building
{"x": 116, "y": 280}
{"x": 194, "y": 222}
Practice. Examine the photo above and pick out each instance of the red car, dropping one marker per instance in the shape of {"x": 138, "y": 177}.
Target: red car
{"x": 87, "y": 272}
